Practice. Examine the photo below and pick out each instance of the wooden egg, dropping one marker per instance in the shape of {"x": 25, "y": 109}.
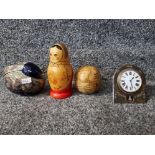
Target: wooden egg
{"x": 88, "y": 79}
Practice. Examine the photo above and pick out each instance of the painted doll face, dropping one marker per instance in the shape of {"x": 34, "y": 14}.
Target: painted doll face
{"x": 56, "y": 53}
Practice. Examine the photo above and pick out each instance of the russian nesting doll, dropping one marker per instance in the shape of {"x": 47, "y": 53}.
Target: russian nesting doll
{"x": 88, "y": 79}
{"x": 60, "y": 72}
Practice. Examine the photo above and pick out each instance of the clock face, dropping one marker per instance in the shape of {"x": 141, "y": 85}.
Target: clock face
{"x": 130, "y": 80}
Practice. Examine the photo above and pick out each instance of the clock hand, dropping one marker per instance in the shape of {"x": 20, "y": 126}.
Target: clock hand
{"x": 131, "y": 85}
{"x": 131, "y": 82}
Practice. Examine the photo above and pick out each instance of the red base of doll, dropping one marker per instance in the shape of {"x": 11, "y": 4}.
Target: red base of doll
{"x": 61, "y": 95}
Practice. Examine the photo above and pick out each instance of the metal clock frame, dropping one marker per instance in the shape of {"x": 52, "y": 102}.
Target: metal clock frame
{"x": 119, "y": 94}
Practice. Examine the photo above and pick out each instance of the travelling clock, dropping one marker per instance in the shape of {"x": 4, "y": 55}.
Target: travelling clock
{"x": 129, "y": 85}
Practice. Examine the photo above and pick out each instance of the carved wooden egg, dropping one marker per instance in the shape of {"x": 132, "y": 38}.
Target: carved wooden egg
{"x": 25, "y": 78}
{"x": 88, "y": 79}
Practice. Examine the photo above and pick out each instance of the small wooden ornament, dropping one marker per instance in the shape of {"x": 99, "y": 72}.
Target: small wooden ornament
{"x": 129, "y": 85}
{"x": 88, "y": 79}
{"x": 60, "y": 72}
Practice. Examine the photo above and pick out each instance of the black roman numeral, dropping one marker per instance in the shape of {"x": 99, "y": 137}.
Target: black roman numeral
{"x": 126, "y": 87}
{"x": 123, "y": 84}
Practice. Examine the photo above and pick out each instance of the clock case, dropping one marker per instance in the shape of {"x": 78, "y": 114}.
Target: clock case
{"x": 121, "y": 96}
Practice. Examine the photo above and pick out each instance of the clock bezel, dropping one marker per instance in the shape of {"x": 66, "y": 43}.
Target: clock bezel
{"x": 125, "y": 68}
{"x": 119, "y": 79}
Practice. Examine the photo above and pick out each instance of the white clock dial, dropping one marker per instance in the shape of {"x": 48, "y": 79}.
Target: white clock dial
{"x": 130, "y": 81}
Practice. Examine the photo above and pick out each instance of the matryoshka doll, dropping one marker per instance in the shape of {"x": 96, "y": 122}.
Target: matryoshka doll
{"x": 60, "y": 72}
